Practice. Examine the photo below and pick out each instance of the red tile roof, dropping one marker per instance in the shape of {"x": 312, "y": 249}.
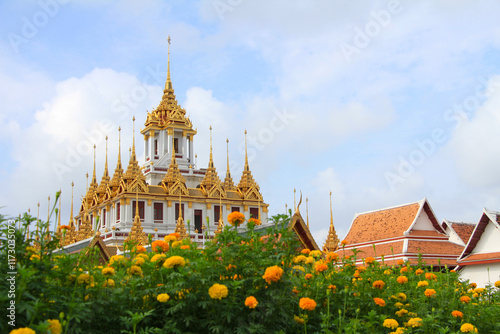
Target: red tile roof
{"x": 434, "y": 247}
{"x": 484, "y": 256}
{"x": 463, "y": 230}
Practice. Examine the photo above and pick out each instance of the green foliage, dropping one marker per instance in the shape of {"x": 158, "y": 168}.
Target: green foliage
{"x": 74, "y": 289}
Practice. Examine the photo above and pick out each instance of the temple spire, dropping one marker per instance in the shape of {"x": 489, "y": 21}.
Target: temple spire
{"x": 117, "y": 176}
{"x": 332, "y": 240}
{"x": 211, "y": 162}
{"x": 246, "y": 153}
{"x": 169, "y": 82}
{"x": 228, "y": 181}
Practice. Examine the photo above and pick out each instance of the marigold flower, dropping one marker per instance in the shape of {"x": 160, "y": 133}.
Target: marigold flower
{"x": 299, "y": 259}
{"x": 235, "y": 218}
{"x": 139, "y": 260}
{"x": 422, "y": 283}
{"x": 34, "y": 257}
{"x": 176, "y": 244}
{"x": 307, "y": 304}
{"x": 419, "y": 271}
{"x": 457, "y": 314}
{"x": 429, "y": 292}
{"x": 343, "y": 242}
{"x": 84, "y": 278}
{"x": 175, "y": 234}
{"x": 272, "y": 274}
{"x": 251, "y": 302}
{"x": 401, "y": 312}
{"x": 135, "y": 270}
{"x": 305, "y": 251}
{"x": 218, "y": 291}
{"x": 401, "y": 296}
{"x": 497, "y": 284}
{"x": 465, "y": 299}
{"x": 140, "y": 249}
{"x": 378, "y": 284}
{"x": 108, "y": 271}
{"x": 159, "y": 246}
{"x": 387, "y": 272}
{"x": 297, "y": 319}
{"x": 333, "y": 257}
{"x": 308, "y": 276}
{"x": 174, "y": 262}
{"x": 24, "y": 330}
{"x": 468, "y": 328}
{"x": 54, "y": 326}
{"x": 402, "y": 279}
{"x": 321, "y": 267}
{"x": 379, "y": 301}
{"x": 118, "y": 259}
{"x": 160, "y": 258}
{"x": 479, "y": 290}
{"x": 369, "y": 260}
{"x": 309, "y": 260}
{"x": 399, "y": 305}
{"x": 390, "y": 323}
{"x": 404, "y": 269}
{"x": 316, "y": 253}
{"x": 332, "y": 287}
{"x": 415, "y": 322}
{"x": 401, "y": 262}
{"x": 170, "y": 238}
{"x": 31, "y": 249}
{"x": 430, "y": 276}
{"x": 185, "y": 247}
{"x": 109, "y": 283}
{"x": 473, "y": 285}
{"x": 163, "y": 297}
{"x": 256, "y": 221}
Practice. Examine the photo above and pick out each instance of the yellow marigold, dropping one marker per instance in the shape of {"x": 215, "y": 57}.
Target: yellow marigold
{"x": 457, "y": 314}
{"x": 390, "y": 323}
{"x": 108, "y": 271}
{"x": 305, "y": 251}
{"x": 401, "y": 296}
{"x": 379, "y": 301}
{"x": 117, "y": 259}
{"x": 402, "y": 279}
{"x": 399, "y": 305}
{"x": 388, "y": 272}
{"x": 400, "y": 330}
{"x": 419, "y": 271}
{"x": 159, "y": 246}
{"x": 174, "y": 262}
{"x": 422, "y": 283}
{"x": 468, "y": 328}
{"x": 430, "y": 276}
{"x": 235, "y": 218}
{"x": 429, "y": 292}
{"x": 175, "y": 234}
{"x": 54, "y": 326}
{"x": 333, "y": 257}
{"x": 251, "y": 302}
{"x": 361, "y": 268}
{"x": 138, "y": 260}
{"x": 479, "y": 290}
{"x": 30, "y": 249}
{"x": 378, "y": 284}
{"x": 185, "y": 247}
{"x": 298, "y": 268}
{"x": 299, "y": 259}
{"x": 415, "y": 322}
{"x": 158, "y": 258}
{"x": 475, "y": 295}
{"x": 24, "y": 330}
{"x": 297, "y": 319}
{"x": 140, "y": 249}
{"x": 170, "y": 238}
{"x": 401, "y": 312}
{"x": 256, "y": 221}
{"x": 109, "y": 283}
{"x": 369, "y": 260}
{"x": 135, "y": 270}
{"x": 84, "y": 278}
{"x": 308, "y": 276}
{"x": 497, "y": 284}
{"x": 163, "y": 297}
{"x": 272, "y": 274}
{"x": 218, "y": 291}
{"x": 465, "y": 299}
{"x": 176, "y": 244}
{"x": 316, "y": 253}
{"x": 309, "y": 260}
{"x": 307, "y": 304}
{"x": 321, "y": 267}
{"x": 34, "y": 257}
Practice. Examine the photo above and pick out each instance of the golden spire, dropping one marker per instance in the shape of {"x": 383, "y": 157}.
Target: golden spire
{"x": 228, "y": 181}
{"x": 169, "y": 82}
{"x": 133, "y": 136}
{"x": 70, "y": 234}
{"x": 101, "y": 190}
{"x": 332, "y": 241}
{"x": 117, "y": 176}
{"x": 173, "y": 174}
{"x": 211, "y": 178}
{"x": 93, "y": 185}
{"x": 307, "y": 212}
{"x": 136, "y": 232}
{"x": 247, "y": 183}
{"x": 179, "y": 226}
{"x": 133, "y": 170}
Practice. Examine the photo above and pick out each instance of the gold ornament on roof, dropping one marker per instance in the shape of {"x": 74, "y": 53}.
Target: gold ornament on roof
{"x": 117, "y": 176}
{"x": 211, "y": 184}
{"x": 247, "y": 187}
{"x": 101, "y": 190}
{"x": 228, "y": 181}
{"x": 332, "y": 241}
{"x": 179, "y": 226}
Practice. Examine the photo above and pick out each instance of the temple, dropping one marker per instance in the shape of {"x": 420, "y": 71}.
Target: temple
{"x": 166, "y": 193}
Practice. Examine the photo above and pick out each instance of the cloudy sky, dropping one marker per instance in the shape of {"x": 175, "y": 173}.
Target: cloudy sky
{"x": 381, "y": 102}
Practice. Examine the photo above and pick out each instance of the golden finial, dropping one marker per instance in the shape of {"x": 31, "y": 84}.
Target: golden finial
{"x": 195, "y": 160}
{"x": 133, "y": 138}
{"x": 286, "y": 208}
{"x": 119, "y": 143}
{"x": 332, "y": 241}
{"x": 211, "y": 162}
{"x": 94, "y": 178}
{"x": 37, "y": 216}
{"x": 168, "y": 61}
{"x": 87, "y": 185}
{"x": 106, "y": 163}
{"x": 331, "y": 210}
{"x": 246, "y": 155}
{"x": 227, "y": 153}
{"x": 307, "y": 212}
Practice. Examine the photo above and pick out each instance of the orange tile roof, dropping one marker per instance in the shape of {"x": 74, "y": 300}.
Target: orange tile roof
{"x": 383, "y": 224}
{"x": 484, "y": 256}
{"x": 434, "y": 247}
{"x": 463, "y": 230}
{"x": 380, "y": 249}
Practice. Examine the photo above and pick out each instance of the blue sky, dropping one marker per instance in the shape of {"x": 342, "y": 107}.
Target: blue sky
{"x": 381, "y": 102}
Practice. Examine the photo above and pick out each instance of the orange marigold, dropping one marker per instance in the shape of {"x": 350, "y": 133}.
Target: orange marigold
{"x": 429, "y": 292}
{"x": 422, "y": 283}
{"x": 378, "y": 284}
{"x": 272, "y": 274}
{"x": 307, "y": 304}
{"x": 369, "y": 260}
{"x": 140, "y": 249}
{"x": 401, "y": 262}
{"x": 321, "y": 267}
{"x": 334, "y": 257}
{"x": 497, "y": 284}
{"x": 419, "y": 271}
{"x": 430, "y": 276}
{"x": 402, "y": 279}
{"x": 332, "y": 287}
{"x": 457, "y": 314}
{"x": 256, "y": 221}
{"x": 465, "y": 299}
{"x": 308, "y": 276}
{"x": 305, "y": 251}
{"x": 185, "y": 247}
{"x": 235, "y": 218}
{"x": 473, "y": 285}
{"x": 379, "y": 301}
{"x": 159, "y": 246}
{"x": 343, "y": 242}
{"x": 251, "y": 302}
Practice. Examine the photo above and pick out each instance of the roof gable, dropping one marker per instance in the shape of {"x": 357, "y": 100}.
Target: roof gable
{"x": 477, "y": 240}
{"x": 300, "y": 228}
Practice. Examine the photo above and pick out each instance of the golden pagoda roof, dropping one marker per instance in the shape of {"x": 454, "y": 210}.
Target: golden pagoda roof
{"x": 332, "y": 240}
{"x": 117, "y": 176}
{"x": 92, "y": 190}
{"x": 211, "y": 184}
{"x": 136, "y": 232}
{"x": 247, "y": 186}
{"x": 174, "y": 182}
{"x": 228, "y": 181}
{"x": 133, "y": 171}
{"x": 103, "y": 186}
